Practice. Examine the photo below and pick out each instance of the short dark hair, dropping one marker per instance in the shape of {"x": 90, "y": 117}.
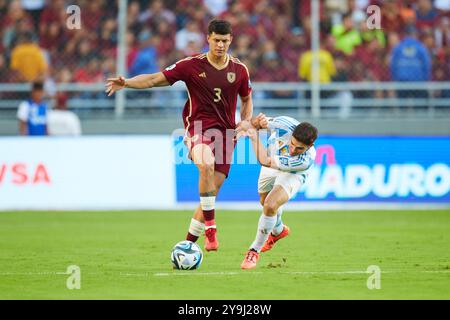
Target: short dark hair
{"x": 346, "y": 15}
{"x": 37, "y": 86}
{"x": 25, "y": 37}
{"x": 306, "y": 133}
{"x": 222, "y": 27}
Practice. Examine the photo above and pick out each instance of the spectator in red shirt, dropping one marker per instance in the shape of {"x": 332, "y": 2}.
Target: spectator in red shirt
{"x": 426, "y": 15}
{"x": 54, "y": 12}
{"x": 89, "y": 73}
{"x": 166, "y": 43}
{"x": 244, "y": 26}
{"x": 52, "y": 36}
{"x": 155, "y": 13}
{"x": 391, "y": 19}
{"x": 371, "y": 56}
{"x": 133, "y": 49}
{"x": 95, "y": 11}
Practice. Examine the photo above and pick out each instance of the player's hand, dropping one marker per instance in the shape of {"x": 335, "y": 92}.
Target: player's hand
{"x": 252, "y": 133}
{"x": 242, "y": 128}
{"x": 260, "y": 121}
{"x": 263, "y": 122}
{"x": 114, "y": 84}
{"x": 244, "y": 125}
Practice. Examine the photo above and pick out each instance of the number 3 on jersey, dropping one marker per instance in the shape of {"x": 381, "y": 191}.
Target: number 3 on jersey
{"x": 218, "y": 93}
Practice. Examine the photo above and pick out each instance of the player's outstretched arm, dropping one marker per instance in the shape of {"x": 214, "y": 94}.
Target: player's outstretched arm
{"x": 142, "y": 81}
{"x": 261, "y": 153}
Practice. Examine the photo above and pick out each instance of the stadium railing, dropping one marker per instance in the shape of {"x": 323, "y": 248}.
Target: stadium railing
{"x": 339, "y": 100}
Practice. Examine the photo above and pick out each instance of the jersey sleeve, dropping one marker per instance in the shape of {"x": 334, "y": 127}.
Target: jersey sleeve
{"x": 178, "y": 71}
{"x": 284, "y": 123}
{"x": 246, "y": 84}
{"x": 22, "y": 112}
{"x": 290, "y": 164}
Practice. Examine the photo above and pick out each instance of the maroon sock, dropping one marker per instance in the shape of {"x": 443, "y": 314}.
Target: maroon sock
{"x": 209, "y": 217}
{"x": 191, "y": 237}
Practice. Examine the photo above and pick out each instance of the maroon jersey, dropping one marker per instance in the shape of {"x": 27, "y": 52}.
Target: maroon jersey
{"x": 212, "y": 92}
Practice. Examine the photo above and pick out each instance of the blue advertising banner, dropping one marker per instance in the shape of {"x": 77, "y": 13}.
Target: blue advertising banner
{"x": 347, "y": 169}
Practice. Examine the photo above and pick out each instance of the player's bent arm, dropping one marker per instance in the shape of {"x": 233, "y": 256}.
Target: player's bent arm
{"x": 289, "y": 165}
{"x": 246, "y": 107}
{"x": 286, "y": 164}
{"x": 261, "y": 153}
{"x": 145, "y": 81}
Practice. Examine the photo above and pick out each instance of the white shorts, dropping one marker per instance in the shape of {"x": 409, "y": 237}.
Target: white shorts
{"x": 269, "y": 177}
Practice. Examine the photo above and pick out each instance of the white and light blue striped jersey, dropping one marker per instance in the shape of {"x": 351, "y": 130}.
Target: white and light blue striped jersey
{"x": 278, "y": 147}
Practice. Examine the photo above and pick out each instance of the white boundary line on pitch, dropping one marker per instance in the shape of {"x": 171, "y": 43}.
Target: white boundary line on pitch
{"x": 165, "y": 274}
{"x": 323, "y": 206}
{"x": 254, "y": 205}
{"x": 231, "y": 273}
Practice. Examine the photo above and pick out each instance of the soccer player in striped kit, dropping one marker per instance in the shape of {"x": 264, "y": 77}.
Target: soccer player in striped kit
{"x": 214, "y": 80}
{"x": 285, "y": 167}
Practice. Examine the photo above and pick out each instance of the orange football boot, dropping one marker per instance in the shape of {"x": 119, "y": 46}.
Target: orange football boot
{"x": 270, "y": 242}
{"x": 211, "y": 243}
{"x": 250, "y": 260}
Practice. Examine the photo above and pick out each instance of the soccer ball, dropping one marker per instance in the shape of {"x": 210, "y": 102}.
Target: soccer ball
{"x": 186, "y": 255}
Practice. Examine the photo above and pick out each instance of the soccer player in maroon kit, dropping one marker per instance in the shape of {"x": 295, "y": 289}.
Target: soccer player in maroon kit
{"x": 213, "y": 80}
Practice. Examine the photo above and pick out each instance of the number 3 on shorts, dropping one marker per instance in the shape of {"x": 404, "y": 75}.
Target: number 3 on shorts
{"x": 218, "y": 92}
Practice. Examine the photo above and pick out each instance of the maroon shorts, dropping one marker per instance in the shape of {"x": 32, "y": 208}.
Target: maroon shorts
{"x": 221, "y": 143}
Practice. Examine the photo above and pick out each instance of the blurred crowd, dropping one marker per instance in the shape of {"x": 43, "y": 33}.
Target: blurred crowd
{"x": 272, "y": 37}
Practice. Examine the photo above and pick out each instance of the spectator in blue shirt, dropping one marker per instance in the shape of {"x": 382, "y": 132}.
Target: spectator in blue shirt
{"x": 147, "y": 59}
{"x": 32, "y": 114}
{"x": 410, "y": 61}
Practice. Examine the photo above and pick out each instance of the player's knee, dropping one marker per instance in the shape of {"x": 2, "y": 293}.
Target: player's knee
{"x": 270, "y": 208}
{"x": 206, "y": 168}
{"x": 262, "y": 199}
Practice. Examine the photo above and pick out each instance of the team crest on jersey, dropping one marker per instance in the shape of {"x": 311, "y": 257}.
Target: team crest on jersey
{"x": 284, "y": 151}
{"x": 231, "y": 76}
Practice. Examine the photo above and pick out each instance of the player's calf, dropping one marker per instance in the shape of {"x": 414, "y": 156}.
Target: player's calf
{"x": 195, "y": 230}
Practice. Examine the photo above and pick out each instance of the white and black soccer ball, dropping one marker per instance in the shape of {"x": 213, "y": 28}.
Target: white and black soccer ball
{"x": 186, "y": 255}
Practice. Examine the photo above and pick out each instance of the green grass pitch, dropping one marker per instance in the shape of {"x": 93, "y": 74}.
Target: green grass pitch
{"x": 125, "y": 255}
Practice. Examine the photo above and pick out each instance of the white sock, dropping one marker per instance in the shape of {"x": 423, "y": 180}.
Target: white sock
{"x": 196, "y": 227}
{"x": 265, "y": 226}
{"x": 279, "y": 224}
{"x": 207, "y": 203}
